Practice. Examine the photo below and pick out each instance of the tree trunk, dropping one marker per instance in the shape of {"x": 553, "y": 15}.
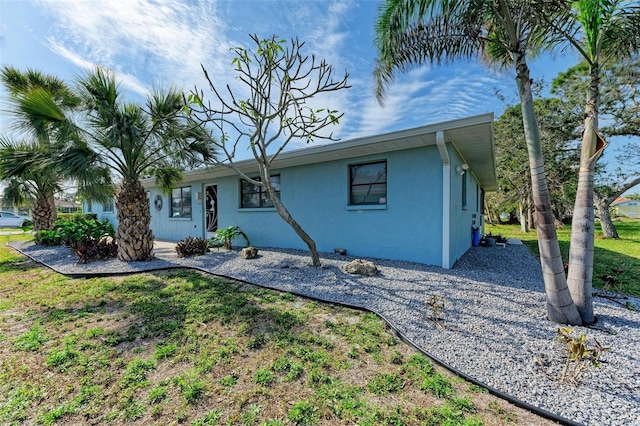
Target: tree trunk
{"x": 580, "y": 274}
{"x": 604, "y": 201}
{"x": 523, "y": 218}
{"x": 134, "y": 237}
{"x": 44, "y": 212}
{"x": 560, "y": 307}
{"x": 286, "y": 216}
{"x": 608, "y": 229}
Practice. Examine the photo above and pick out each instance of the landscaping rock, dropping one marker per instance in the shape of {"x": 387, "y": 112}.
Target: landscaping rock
{"x": 249, "y": 252}
{"x": 361, "y": 267}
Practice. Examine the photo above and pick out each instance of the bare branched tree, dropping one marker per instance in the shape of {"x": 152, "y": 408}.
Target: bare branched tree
{"x": 281, "y": 82}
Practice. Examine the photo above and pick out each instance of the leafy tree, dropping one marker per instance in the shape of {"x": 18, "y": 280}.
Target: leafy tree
{"x": 25, "y": 160}
{"x": 503, "y": 33}
{"x": 281, "y": 81}
{"x": 603, "y": 32}
{"x": 557, "y": 136}
{"x": 620, "y": 113}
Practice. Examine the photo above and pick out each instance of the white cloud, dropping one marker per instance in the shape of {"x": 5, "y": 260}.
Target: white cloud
{"x": 158, "y": 43}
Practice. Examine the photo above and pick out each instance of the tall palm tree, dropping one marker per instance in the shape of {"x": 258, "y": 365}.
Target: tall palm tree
{"x": 501, "y": 33}
{"x": 136, "y": 142}
{"x": 25, "y": 160}
{"x": 603, "y": 32}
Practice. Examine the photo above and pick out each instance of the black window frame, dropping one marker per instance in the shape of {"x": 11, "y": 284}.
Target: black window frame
{"x": 182, "y": 207}
{"x": 352, "y": 168}
{"x": 264, "y": 201}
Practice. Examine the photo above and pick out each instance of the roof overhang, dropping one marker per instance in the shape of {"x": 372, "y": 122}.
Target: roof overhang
{"x": 472, "y": 137}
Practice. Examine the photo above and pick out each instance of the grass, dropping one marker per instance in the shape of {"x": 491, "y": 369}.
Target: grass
{"x": 186, "y": 348}
{"x": 616, "y": 262}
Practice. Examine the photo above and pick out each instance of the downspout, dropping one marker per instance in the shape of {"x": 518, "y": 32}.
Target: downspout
{"x": 446, "y": 197}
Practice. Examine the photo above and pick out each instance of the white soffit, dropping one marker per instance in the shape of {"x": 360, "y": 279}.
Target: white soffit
{"x": 472, "y": 136}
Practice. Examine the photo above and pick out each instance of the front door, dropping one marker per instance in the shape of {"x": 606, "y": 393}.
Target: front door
{"x": 211, "y": 210}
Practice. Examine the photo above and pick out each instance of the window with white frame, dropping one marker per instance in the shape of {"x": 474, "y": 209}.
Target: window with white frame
{"x": 368, "y": 183}
{"x": 180, "y": 203}
{"x": 255, "y": 196}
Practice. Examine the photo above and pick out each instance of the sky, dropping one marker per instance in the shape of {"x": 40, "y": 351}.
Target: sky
{"x": 157, "y": 43}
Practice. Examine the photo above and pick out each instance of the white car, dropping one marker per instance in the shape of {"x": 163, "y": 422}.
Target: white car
{"x": 11, "y": 220}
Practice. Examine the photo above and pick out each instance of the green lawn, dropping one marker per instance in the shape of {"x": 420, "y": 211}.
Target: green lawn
{"x": 610, "y": 255}
{"x": 182, "y": 347}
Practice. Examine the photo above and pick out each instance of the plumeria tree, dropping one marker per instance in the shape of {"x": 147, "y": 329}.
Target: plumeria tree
{"x": 270, "y": 111}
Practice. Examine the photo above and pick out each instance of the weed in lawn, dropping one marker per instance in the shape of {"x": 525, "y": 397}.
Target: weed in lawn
{"x": 165, "y": 350}
{"x": 257, "y": 342}
{"x": 209, "y": 419}
{"x": 303, "y": 414}
{"x": 263, "y": 376}
{"x": 32, "y": 340}
{"x": 229, "y": 380}
{"x": 437, "y": 385}
{"x": 296, "y": 370}
{"x": 157, "y": 394}
{"x": 384, "y": 383}
{"x": 396, "y": 358}
{"x": 62, "y": 359}
{"x": 191, "y": 386}
{"x": 250, "y": 416}
{"x": 135, "y": 374}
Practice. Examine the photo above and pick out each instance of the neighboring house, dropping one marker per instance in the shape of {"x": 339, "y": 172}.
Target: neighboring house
{"x": 62, "y": 206}
{"x": 104, "y": 211}
{"x": 626, "y": 207}
{"x": 408, "y": 195}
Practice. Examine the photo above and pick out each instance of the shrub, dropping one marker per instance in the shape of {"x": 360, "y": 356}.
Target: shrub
{"x": 48, "y": 237}
{"x": 192, "y": 246}
{"x": 88, "y": 238}
{"x": 224, "y": 237}
{"x": 76, "y": 217}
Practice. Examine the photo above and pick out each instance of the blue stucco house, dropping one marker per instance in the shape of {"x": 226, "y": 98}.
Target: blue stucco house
{"x": 410, "y": 195}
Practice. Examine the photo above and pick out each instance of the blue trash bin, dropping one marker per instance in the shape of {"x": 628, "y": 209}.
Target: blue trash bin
{"x": 476, "y": 237}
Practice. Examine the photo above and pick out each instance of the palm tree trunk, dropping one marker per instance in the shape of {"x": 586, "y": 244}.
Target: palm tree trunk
{"x": 44, "y": 212}
{"x": 560, "y": 307}
{"x": 580, "y": 273}
{"x": 134, "y": 237}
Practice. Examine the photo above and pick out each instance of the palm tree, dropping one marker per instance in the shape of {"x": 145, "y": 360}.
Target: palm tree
{"x": 501, "y": 33}
{"x": 26, "y": 162}
{"x": 603, "y": 32}
{"x": 135, "y": 142}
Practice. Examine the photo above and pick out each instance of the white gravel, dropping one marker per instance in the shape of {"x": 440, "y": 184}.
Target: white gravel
{"x": 493, "y": 325}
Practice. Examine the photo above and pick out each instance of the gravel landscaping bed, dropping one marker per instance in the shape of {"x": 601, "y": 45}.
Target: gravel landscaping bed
{"x": 492, "y": 327}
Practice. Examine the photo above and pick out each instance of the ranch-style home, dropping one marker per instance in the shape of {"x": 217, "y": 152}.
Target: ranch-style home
{"x": 623, "y": 206}
{"x": 412, "y": 195}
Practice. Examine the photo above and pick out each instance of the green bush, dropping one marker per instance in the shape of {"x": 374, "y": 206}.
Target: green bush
{"x": 88, "y": 238}
{"x": 192, "y": 246}
{"x": 47, "y": 237}
{"x": 76, "y": 217}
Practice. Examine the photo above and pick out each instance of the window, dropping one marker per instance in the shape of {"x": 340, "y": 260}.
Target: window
{"x": 108, "y": 206}
{"x": 255, "y": 196}
{"x": 89, "y": 207}
{"x": 368, "y": 183}
{"x": 181, "y": 203}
